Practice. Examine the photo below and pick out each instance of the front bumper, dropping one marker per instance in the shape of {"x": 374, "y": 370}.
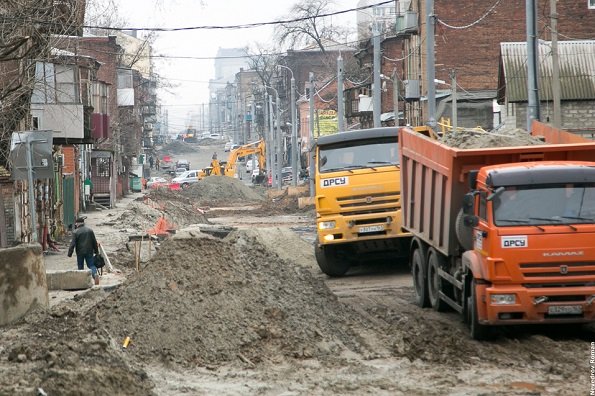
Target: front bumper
{"x": 528, "y": 308}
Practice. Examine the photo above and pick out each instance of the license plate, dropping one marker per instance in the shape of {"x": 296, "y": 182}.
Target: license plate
{"x": 366, "y": 229}
{"x": 565, "y": 310}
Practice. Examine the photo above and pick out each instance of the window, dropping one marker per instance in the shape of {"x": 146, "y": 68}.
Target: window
{"x": 66, "y": 91}
{"x": 591, "y": 4}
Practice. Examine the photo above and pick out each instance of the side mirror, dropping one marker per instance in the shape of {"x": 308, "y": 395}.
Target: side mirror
{"x": 468, "y": 202}
{"x": 470, "y": 221}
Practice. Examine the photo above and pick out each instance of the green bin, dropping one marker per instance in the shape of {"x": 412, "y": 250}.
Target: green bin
{"x": 136, "y": 184}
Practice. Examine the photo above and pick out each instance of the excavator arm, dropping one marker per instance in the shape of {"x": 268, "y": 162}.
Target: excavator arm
{"x": 257, "y": 148}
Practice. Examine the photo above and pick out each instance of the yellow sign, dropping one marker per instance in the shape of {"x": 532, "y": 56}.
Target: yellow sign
{"x": 327, "y": 122}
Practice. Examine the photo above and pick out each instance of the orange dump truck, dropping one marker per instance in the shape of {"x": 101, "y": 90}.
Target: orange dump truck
{"x": 503, "y": 236}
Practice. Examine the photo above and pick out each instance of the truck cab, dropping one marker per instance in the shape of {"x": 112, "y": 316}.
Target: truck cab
{"x": 358, "y": 208}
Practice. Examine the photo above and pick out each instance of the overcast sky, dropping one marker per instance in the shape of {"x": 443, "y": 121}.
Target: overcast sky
{"x": 192, "y": 75}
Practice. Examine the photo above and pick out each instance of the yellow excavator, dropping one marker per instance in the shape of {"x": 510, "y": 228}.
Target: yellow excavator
{"x": 229, "y": 167}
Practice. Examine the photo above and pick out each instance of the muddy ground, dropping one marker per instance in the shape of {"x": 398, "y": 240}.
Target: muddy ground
{"x": 245, "y": 310}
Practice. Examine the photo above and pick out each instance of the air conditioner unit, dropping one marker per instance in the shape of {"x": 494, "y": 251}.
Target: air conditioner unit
{"x": 407, "y": 22}
{"x": 412, "y": 90}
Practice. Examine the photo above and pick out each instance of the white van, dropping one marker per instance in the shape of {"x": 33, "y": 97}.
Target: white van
{"x": 187, "y": 178}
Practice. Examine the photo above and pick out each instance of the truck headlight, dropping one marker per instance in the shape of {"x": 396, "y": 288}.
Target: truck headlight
{"x": 503, "y": 299}
{"x": 326, "y": 225}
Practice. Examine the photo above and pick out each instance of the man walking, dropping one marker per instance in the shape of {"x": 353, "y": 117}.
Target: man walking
{"x": 85, "y": 244}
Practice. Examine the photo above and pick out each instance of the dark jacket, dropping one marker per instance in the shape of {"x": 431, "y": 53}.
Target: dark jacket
{"x": 83, "y": 240}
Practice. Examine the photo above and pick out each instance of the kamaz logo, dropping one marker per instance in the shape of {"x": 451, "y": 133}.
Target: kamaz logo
{"x": 335, "y": 181}
{"x": 514, "y": 242}
{"x": 564, "y": 254}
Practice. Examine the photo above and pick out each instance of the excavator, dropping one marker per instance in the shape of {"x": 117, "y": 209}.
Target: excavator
{"x": 229, "y": 167}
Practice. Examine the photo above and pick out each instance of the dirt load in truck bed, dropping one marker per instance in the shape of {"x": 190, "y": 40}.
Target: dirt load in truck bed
{"x": 472, "y": 139}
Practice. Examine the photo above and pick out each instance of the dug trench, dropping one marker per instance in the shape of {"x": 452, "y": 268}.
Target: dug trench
{"x": 248, "y": 312}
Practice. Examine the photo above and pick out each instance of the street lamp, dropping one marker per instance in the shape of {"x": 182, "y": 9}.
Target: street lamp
{"x": 294, "y": 153}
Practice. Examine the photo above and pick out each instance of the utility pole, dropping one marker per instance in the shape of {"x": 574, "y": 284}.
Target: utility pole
{"x": 279, "y": 140}
{"x": 311, "y": 136}
{"x": 30, "y": 189}
{"x": 271, "y": 142}
{"x": 377, "y": 92}
{"x": 453, "y": 76}
{"x": 340, "y": 100}
{"x": 532, "y": 62}
{"x": 430, "y": 64}
{"x": 555, "y": 66}
{"x": 294, "y": 145}
{"x": 395, "y": 79}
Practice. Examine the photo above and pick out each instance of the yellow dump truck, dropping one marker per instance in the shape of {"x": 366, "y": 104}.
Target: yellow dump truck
{"x": 358, "y": 199}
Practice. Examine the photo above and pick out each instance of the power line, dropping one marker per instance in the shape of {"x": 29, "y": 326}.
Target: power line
{"x": 488, "y": 12}
{"x": 221, "y": 27}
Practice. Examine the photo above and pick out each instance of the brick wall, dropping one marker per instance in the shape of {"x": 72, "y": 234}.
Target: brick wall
{"x": 474, "y": 52}
{"x": 8, "y": 228}
{"x": 575, "y": 114}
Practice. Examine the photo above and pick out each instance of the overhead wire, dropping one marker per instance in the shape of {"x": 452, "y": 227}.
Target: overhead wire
{"x": 221, "y": 27}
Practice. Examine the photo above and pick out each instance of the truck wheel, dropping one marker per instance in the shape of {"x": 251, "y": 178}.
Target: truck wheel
{"x": 476, "y": 330}
{"x": 329, "y": 263}
{"x": 464, "y": 233}
{"x": 418, "y": 271}
{"x": 435, "y": 261}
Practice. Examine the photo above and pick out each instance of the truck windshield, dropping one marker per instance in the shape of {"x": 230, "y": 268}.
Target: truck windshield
{"x": 545, "y": 204}
{"x": 358, "y": 154}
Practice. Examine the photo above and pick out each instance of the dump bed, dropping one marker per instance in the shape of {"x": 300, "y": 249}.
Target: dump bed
{"x": 434, "y": 176}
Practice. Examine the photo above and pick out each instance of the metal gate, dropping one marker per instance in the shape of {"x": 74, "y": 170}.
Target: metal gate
{"x": 68, "y": 191}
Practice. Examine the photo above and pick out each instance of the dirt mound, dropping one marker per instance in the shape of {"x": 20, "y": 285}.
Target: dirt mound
{"x": 176, "y": 208}
{"x": 221, "y": 190}
{"x": 208, "y": 141}
{"x": 469, "y": 139}
{"x": 208, "y": 301}
{"x": 61, "y": 353}
{"x": 177, "y": 147}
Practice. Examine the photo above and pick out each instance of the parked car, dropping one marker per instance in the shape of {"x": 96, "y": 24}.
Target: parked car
{"x": 179, "y": 171}
{"x": 183, "y": 163}
{"x": 227, "y": 146}
{"x": 156, "y": 182}
{"x": 234, "y": 147}
{"x": 187, "y": 178}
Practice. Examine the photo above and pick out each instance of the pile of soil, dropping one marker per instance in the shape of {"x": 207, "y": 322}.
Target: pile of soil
{"x": 208, "y": 141}
{"x": 177, "y": 147}
{"x": 470, "y": 139}
{"x": 214, "y": 190}
{"x": 285, "y": 204}
{"x": 177, "y": 209}
{"x": 60, "y": 352}
{"x": 208, "y": 301}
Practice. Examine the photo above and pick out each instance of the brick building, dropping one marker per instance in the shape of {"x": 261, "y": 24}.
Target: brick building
{"x": 468, "y": 39}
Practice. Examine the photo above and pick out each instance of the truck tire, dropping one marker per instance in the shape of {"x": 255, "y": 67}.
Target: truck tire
{"x": 435, "y": 261}
{"x": 477, "y": 331}
{"x": 418, "y": 271}
{"x": 329, "y": 262}
{"x": 464, "y": 233}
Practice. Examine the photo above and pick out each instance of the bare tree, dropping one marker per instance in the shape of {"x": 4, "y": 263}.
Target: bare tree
{"x": 264, "y": 62}
{"x": 25, "y": 30}
{"x": 308, "y": 26}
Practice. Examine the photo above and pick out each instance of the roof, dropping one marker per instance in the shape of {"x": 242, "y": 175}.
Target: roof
{"x": 360, "y": 134}
{"x": 577, "y": 70}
